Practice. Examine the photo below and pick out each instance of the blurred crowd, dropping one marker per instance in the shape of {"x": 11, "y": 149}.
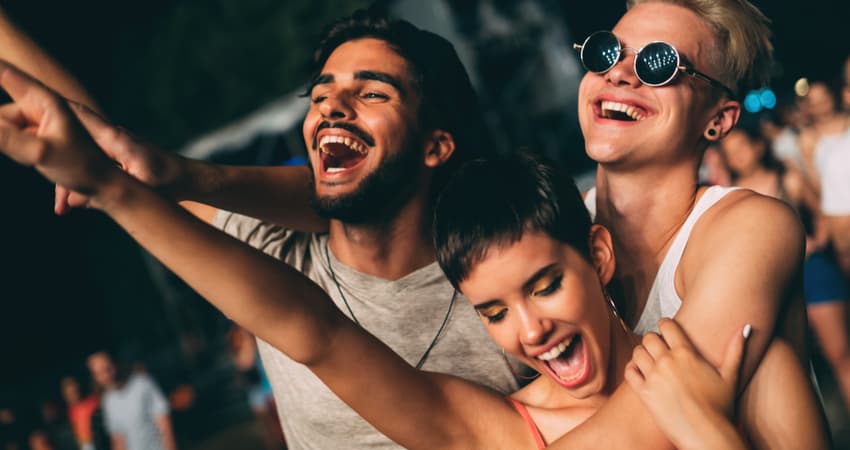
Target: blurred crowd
{"x": 799, "y": 152}
{"x": 118, "y": 405}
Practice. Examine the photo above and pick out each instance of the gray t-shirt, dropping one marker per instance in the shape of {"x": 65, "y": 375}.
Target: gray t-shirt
{"x": 405, "y": 314}
{"x": 132, "y": 410}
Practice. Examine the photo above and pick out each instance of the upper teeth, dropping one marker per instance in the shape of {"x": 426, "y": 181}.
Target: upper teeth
{"x": 347, "y": 141}
{"x": 555, "y": 351}
{"x": 629, "y": 110}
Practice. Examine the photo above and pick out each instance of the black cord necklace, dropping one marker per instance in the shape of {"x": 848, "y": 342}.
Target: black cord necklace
{"x": 353, "y": 317}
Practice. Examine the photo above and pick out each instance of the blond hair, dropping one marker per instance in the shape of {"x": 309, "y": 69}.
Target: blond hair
{"x": 743, "y": 51}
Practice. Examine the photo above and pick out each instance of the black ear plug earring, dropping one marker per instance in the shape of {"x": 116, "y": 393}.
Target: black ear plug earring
{"x": 712, "y": 132}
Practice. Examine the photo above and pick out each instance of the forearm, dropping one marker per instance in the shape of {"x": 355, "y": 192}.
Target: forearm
{"x": 267, "y": 297}
{"x": 166, "y": 432}
{"x": 279, "y": 195}
{"x": 117, "y": 442}
{"x": 20, "y": 50}
{"x": 709, "y": 430}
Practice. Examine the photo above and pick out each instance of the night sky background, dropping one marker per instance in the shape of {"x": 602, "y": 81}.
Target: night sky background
{"x": 170, "y": 70}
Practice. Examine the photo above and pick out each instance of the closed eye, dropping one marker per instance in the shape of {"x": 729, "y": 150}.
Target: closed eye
{"x": 494, "y": 318}
{"x": 374, "y": 96}
{"x": 550, "y": 289}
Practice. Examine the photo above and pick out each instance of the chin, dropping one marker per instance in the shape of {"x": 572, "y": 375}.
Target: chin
{"x": 603, "y": 152}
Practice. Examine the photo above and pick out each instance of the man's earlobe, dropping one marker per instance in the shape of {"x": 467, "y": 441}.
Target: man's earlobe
{"x": 439, "y": 148}
{"x": 726, "y": 119}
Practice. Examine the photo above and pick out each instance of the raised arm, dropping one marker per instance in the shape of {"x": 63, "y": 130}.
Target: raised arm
{"x": 279, "y": 195}
{"x": 742, "y": 265}
{"x": 270, "y": 299}
{"x": 19, "y": 49}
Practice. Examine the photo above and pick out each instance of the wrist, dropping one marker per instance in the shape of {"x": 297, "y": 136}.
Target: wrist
{"x": 114, "y": 192}
{"x": 198, "y": 180}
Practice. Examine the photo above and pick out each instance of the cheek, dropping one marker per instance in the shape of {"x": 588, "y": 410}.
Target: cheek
{"x": 501, "y": 335}
{"x": 311, "y": 121}
{"x": 585, "y": 94}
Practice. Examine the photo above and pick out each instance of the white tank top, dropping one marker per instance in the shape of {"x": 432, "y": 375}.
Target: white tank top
{"x": 832, "y": 157}
{"x": 663, "y": 300}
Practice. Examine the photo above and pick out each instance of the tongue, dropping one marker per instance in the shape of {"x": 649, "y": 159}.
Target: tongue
{"x": 569, "y": 364}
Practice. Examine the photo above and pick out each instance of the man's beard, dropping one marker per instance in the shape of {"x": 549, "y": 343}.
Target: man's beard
{"x": 380, "y": 194}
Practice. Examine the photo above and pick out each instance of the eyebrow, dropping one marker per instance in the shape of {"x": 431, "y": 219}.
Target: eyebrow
{"x": 525, "y": 286}
{"x": 383, "y": 77}
{"x": 369, "y": 75}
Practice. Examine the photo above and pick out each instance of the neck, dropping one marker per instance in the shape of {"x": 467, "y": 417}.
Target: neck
{"x": 643, "y": 210}
{"x": 623, "y": 342}
{"x": 388, "y": 249}
{"x": 752, "y": 173}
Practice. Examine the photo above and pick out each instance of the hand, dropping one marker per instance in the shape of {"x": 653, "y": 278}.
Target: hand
{"x": 687, "y": 396}
{"x": 39, "y": 130}
{"x": 145, "y": 162}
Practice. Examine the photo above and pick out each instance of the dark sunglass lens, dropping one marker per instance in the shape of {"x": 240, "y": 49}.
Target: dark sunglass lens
{"x": 600, "y": 52}
{"x": 657, "y": 64}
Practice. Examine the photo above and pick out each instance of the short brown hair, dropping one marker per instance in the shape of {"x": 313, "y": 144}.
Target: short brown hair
{"x": 743, "y": 50}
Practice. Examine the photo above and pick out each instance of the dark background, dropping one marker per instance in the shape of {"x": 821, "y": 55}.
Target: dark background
{"x": 170, "y": 70}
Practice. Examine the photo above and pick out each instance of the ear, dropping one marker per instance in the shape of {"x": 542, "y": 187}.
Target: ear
{"x": 602, "y": 253}
{"x": 724, "y": 120}
{"x": 439, "y": 147}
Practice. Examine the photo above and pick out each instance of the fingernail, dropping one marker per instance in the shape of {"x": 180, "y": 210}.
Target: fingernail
{"x": 747, "y": 330}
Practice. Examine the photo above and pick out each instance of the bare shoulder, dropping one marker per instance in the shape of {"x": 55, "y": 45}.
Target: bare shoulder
{"x": 745, "y": 234}
{"x": 746, "y": 216}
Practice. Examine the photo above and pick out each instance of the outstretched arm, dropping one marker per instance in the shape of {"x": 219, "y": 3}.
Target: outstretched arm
{"x": 279, "y": 195}
{"x": 271, "y": 300}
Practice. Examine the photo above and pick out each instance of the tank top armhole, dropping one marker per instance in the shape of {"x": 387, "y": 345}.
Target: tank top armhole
{"x": 523, "y": 411}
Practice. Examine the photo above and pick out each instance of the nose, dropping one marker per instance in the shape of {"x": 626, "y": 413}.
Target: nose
{"x": 623, "y": 73}
{"x": 534, "y": 330}
{"x": 336, "y": 106}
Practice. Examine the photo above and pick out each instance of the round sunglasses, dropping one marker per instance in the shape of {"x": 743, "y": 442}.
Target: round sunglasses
{"x": 656, "y": 64}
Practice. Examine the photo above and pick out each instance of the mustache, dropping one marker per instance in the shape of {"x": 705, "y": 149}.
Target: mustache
{"x": 353, "y": 129}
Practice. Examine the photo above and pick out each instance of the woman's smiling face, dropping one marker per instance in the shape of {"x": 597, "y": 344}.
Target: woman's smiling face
{"x": 542, "y": 301}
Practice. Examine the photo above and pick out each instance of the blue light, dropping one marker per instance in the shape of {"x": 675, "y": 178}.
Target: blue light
{"x": 767, "y": 98}
{"x": 752, "y": 103}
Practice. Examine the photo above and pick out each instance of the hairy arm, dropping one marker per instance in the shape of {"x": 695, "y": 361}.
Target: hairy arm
{"x": 742, "y": 265}
{"x": 279, "y": 195}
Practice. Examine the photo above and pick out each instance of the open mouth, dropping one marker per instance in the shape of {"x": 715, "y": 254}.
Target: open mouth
{"x": 568, "y": 362}
{"x": 621, "y": 111}
{"x": 340, "y": 153}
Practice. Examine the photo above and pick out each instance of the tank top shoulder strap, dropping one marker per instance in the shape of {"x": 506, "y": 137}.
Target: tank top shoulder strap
{"x": 663, "y": 300}
{"x": 523, "y": 411}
